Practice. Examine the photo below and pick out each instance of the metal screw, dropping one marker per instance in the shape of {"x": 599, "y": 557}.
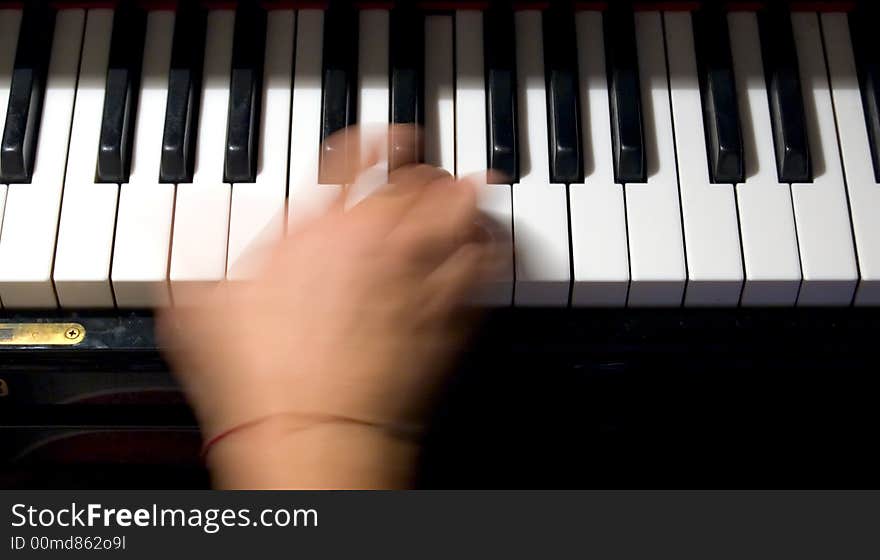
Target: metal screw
{"x": 72, "y": 333}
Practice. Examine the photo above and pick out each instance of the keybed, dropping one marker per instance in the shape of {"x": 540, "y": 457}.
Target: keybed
{"x": 648, "y": 158}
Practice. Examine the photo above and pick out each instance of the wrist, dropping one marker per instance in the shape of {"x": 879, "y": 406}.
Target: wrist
{"x": 296, "y": 451}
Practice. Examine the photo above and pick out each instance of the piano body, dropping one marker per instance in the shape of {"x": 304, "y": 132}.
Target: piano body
{"x": 693, "y": 206}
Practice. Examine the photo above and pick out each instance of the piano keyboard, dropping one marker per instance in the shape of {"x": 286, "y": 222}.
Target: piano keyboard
{"x": 654, "y": 158}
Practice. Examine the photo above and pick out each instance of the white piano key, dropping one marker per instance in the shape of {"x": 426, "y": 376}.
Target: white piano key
{"x": 534, "y": 155}
{"x": 495, "y": 205}
{"x": 494, "y": 201}
{"x": 711, "y": 228}
{"x": 470, "y": 94}
{"x": 306, "y": 197}
{"x": 540, "y": 241}
{"x": 540, "y": 209}
{"x": 146, "y": 206}
{"x": 9, "y": 24}
{"x": 656, "y": 248}
{"x": 597, "y": 213}
{"x": 2, "y": 209}
{"x": 769, "y": 242}
{"x": 201, "y": 210}
{"x": 88, "y": 209}
{"x": 373, "y": 93}
{"x": 257, "y": 211}
{"x": 439, "y": 93}
{"x": 27, "y": 242}
{"x": 820, "y": 208}
{"x": 863, "y": 191}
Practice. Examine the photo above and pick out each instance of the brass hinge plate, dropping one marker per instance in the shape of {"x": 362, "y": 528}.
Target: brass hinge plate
{"x": 41, "y": 334}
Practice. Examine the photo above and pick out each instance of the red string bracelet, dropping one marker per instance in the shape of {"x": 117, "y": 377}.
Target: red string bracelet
{"x": 399, "y": 431}
{"x": 206, "y": 447}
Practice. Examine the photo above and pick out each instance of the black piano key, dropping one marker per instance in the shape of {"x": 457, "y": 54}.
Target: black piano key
{"x": 339, "y": 91}
{"x": 407, "y": 52}
{"x": 184, "y": 86}
{"x": 563, "y": 111}
{"x": 27, "y": 88}
{"x": 245, "y": 93}
{"x": 501, "y": 111}
{"x": 120, "y": 97}
{"x": 718, "y": 88}
{"x": 784, "y": 96}
{"x": 627, "y": 132}
{"x": 866, "y": 48}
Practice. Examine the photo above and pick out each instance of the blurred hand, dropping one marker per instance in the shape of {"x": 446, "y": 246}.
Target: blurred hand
{"x": 355, "y": 313}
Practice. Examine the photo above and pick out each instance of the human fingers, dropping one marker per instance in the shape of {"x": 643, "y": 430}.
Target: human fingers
{"x": 404, "y": 145}
{"x": 449, "y": 285}
{"x": 382, "y": 210}
{"x": 416, "y": 175}
{"x": 348, "y": 152}
{"x": 441, "y": 220}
